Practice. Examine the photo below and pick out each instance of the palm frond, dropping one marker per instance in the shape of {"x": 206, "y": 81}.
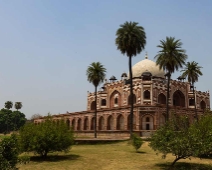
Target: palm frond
{"x": 171, "y": 56}
{"x": 131, "y": 38}
{"x": 96, "y": 73}
{"x": 192, "y": 71}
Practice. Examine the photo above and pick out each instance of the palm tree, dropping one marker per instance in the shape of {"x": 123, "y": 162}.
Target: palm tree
{"x": 8, "y": 105}
{"x": 192, "y": 71}
{"x": 130, "y": 40}
{"x": 170, "y": 58}
{"x": 96, "y": 75}
{"x": 18, "y": 105}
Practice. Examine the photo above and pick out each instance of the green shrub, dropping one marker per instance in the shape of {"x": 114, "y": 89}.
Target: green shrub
{"x": 46, "y": 137}
{"x": 9, "y": 152}
{"x": 136, "y": 141}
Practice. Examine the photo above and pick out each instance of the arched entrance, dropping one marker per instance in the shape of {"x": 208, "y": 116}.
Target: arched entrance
{"x": 178, "y": 99}
{"x": 68, "y": 123}
{"x": 86, "y": 123}
{"x": 129, "y": 99}
{"x": 101, "y": 123}
{"x": 110, "y": 123}
{"x": 92, "y": 123}
{"x": 147, "y": 122}
{"x": 73, "y": 124}
{"x": 93, "y": 105}
{"x": 120, "y": 122}
{"x": 79, "y": 124}
{"x": 202, "y": 105}
{"x": 161, "y": 99}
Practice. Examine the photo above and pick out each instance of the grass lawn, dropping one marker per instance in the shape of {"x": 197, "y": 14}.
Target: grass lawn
{"x": 117, "y": 156}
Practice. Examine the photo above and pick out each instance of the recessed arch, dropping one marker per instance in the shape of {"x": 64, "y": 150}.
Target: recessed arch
{"x": 103, "y": 102}
{"x": 92, "y": 123}
{"x": 73, "y": 124}
{"x": 93, "y": 105}
{"x": 134, "y": 99}
{"x": 115, "y": 99}
{"x": 110, "y": 123}
{"x": 101, "y": 123}
{"x": 146, "y": 94}
{"x": 120, "y": 122}
{"x": 178, "y": 99}
{"x": 79, "y": 124}
{"x": 68, "y": 123}
{"x": 202, "y": 105}
{"x": 191, "y": 102}
{"x": 85, "y": 124}
{"x": 147, "y": 122}
{"x": 161, "y": 98}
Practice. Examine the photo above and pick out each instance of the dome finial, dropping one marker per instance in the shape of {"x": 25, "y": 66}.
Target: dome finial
{"x": 146, "y": 56}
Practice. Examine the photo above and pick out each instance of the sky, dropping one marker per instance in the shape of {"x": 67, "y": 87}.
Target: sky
{"x": 47, "y": 45}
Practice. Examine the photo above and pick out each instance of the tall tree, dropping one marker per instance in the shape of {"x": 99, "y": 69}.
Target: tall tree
{"x": 8, "y": 105}
{"x": 18, "y": 105}
{"x": 170, "y": 58}
{"x": 130, "y": 40}
{"x": 96, "y": 74}
{"x": 192, "y": 72}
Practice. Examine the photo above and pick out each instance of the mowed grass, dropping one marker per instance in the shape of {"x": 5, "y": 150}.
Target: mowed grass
{"x": 117, "y": 156}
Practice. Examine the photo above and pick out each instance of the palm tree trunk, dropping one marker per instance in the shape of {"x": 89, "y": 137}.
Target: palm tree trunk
{"x": 195, "y": 107}
{"x": 95, "y": 117}
{"x": 131, "y": 96}
{"x": 167, "y": 97}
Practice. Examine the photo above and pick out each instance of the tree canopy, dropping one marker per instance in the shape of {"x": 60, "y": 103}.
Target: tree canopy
{"x": 171, "y": 56}
{"x": 46, "y": 137}
{"x": 130, "y": 38}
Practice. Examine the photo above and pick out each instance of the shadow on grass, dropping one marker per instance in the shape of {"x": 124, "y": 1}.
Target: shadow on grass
{"x": 54, "y": 158}
{"x": 141, "y": 152}
{"x": 185, "y": 166}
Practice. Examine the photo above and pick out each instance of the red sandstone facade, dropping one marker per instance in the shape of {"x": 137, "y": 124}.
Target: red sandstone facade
{"x": 113, "y": 106}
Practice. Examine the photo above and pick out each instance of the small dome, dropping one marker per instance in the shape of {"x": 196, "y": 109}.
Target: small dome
{"x": 113, "y": 78}
{"x": 124, "y": 75}
{"x": 147, "y": 65}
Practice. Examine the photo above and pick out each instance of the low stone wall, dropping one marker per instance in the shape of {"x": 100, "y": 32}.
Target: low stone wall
{"x": 111, "y": 134}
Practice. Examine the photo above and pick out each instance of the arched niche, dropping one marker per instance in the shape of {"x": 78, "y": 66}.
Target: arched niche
{"x": 85, "y": 124}
{"x": 101, "y": 123}
{"x": 68, "y": 123}
{"x": 202, "y": 105}
{"x": 191, "y": 102}
{"x": 92, "y": 123}
{"x": 146, "y": 95}
{"x": 110, "y": 123}
{"x": 161, "y": 99}
{"x": 79, "y": 124}
{"x": 115, "y": 99}
{"x": 93, "y": 105}
{"x": 147, "y": 122}
{"x": 120, "y": 122}
{"x": 134, "y": 99}
{"x": 73, "y": 124}
{"x": 103, "y": 102}
{"x": 178, "y": 99}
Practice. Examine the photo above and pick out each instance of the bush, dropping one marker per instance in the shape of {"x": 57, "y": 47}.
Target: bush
{"x": 9, "y": 152}
{"x": 174, "y": 137}
{"x": 183, "y": 140}
{"x": 46, "y": 137}
{"x": 136, "y": 141}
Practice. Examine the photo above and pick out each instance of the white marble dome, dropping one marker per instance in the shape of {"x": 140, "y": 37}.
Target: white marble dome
{"x": 147, "y": 65}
